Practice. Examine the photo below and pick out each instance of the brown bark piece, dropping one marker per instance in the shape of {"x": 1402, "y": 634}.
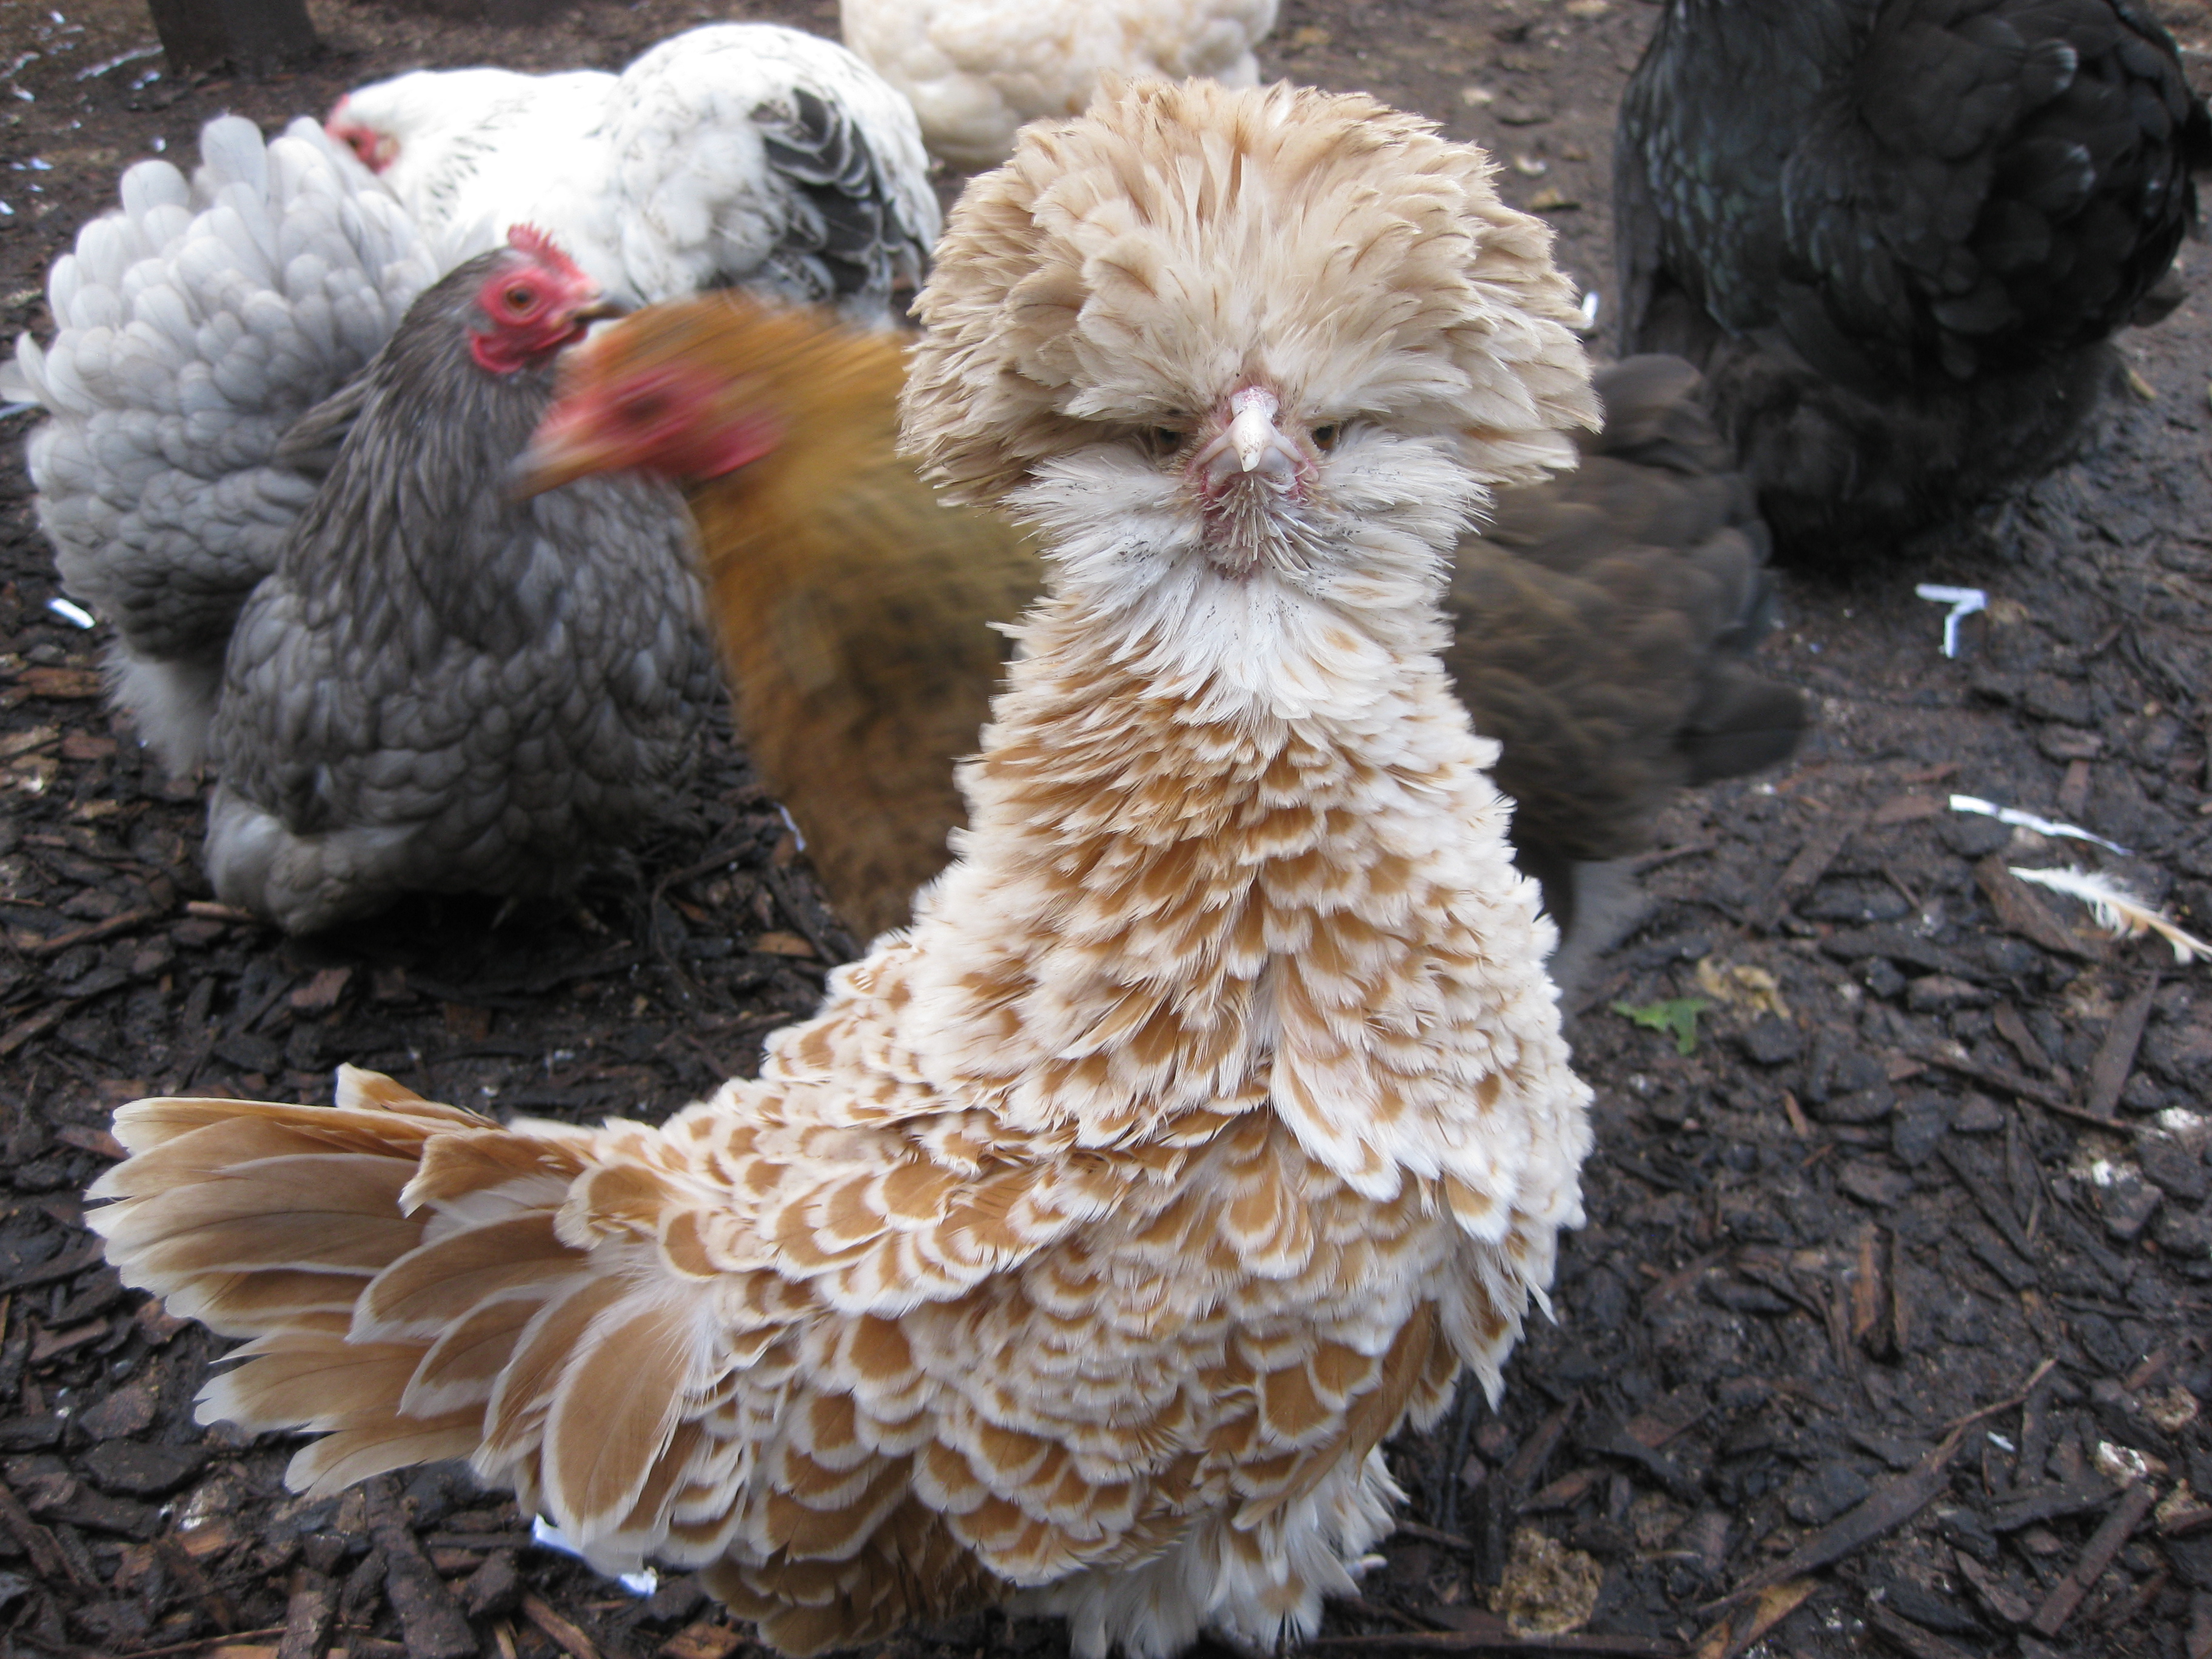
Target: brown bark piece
{"x": 431, "y": 1619}
{"x": 2096, "y": 1555}
{"x": 1997, "y": 1593}
{"x": 34, "y": 1539}
{"x": 2115, "y": 1055}
{"x": 1904, "y": 1634}
{"x": 308, "y": 1617}
{"x": 1811, "y": 863}
{"x": 1889, "y": 1506}
{"x": 565, "y": 1636}
{"x": 2022, "y": 913}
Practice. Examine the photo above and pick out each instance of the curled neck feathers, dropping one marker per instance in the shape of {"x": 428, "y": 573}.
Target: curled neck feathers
{"x": 1232, "y": 844}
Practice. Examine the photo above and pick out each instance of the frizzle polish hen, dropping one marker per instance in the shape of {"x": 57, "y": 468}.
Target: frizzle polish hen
{"x": 1602, "y": 621}
{"x": 1078, "y": 1257}
{"x": 440, "y": 687}
{"x": 1897, "y": 235}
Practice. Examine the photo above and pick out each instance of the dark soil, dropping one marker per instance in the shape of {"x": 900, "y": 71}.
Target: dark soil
{"x": 1865, "y": 1196}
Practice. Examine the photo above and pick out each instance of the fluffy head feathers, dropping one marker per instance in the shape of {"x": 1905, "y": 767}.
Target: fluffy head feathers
{"x": 1127, "y": 268}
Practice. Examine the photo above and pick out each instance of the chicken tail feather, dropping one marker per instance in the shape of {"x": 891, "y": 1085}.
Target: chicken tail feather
{"x": 398, "y": 1267}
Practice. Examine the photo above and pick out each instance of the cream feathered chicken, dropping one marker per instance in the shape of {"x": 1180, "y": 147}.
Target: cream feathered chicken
{"x": 1213, "y": 1115}
{"x": 977, "y": 70}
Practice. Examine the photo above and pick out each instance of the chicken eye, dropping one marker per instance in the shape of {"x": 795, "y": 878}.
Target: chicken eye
{"x": 642, "y": 408}
{"x": 1161, "y": 441}
{"x": 520, "y": 300}
{"x": 1324, "y": 436}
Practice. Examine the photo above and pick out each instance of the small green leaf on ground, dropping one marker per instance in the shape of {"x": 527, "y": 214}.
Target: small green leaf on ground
{"x": 1675, "y": 1016}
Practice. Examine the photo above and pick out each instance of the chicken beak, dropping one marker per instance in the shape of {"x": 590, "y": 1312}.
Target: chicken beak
{"x": 1252, "y": 431}
{"x": 564, "y": 448}
{"x": 1252, "y": 443}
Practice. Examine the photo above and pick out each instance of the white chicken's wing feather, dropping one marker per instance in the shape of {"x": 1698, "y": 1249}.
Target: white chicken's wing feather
{"x": 748, "y": 152}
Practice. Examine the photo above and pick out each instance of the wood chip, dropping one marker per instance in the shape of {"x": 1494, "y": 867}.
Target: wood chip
{"x": 1486, "y": 1633}
{"x": 2011, "y": 1083}
{"x": 702, "y": 1641}
{"x": 565, "y": 1636}
{"x": 2022, "y": 913}
{"x": 308, "y": 1616}
{"x": 24, "y": 743}
{"x": 2050, "y": 1502}
{"x": 1564, "y": 1492}
{"x": 1812, "y": 862}
{"x": 89, "y": 934}
{"x": 1741, "y": 1629}
{"x": 1870, "y": 1292}
{"x": 1890, "y": 1506}
{"x": 87, "y": 746}
{"x": 430, "y": 1619}
{"x": 1997, "y": 1593}
{"x": 2116, "y": 1055}
{"x": 1906, "y": 809}
{"x": 2096, "y": 1555}
{"x": 1911, "y": 1638}
{"x": 62, "y": 684}
{"x": 1530, "y": 1458}
{"x": 2014, "y": 1030}
{"x": 34, "y": 1025}
{"x": 89, "y": 1138}
{"x": 321, "y": 994}
{"x": 51, "y": 1345}
{"x": 783, "y": 944}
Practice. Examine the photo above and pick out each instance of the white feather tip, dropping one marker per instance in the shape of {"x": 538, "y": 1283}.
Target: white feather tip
{"x": 2118, "y": 911}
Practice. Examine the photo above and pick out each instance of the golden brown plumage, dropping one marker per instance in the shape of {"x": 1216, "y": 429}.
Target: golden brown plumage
{"x": 1600, "y": 622}
{"x": 1211, "y": 1118}
{"x": 853, "y": 606}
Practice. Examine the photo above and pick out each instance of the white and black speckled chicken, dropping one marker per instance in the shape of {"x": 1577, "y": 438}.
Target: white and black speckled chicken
{"x": 737, "y": 153}
{"x": 440, "y": 687}
{"x": 1897, "y": 235}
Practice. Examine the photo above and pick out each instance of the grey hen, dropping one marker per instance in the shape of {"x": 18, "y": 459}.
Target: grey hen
{"x": 1897, "y": 234}
{"x": 440, "y": 687}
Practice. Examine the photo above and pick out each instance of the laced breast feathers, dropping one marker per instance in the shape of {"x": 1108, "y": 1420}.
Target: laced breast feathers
{"x": 1213, "y": 1116}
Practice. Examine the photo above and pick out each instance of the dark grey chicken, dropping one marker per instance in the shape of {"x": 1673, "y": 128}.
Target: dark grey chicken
{"x": 1602, "y": 628}
{"x": 439, "y": 687}
{"x": 1897, "y": 235}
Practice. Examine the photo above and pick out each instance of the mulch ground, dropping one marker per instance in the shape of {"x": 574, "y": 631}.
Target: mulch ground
{"x": 1888, "y": 1330}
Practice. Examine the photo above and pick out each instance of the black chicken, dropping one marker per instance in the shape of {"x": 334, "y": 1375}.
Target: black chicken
{"x": 1897, "y": 233}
